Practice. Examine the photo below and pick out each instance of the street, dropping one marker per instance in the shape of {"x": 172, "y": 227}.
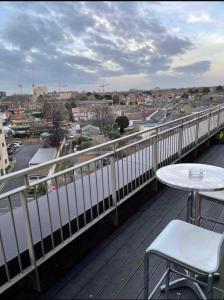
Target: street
{"x": 23, "y": 157}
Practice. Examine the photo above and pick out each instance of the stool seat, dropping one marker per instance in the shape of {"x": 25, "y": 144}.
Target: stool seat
{"x": 216, "y": 196}
{"x": 190, "y": 245}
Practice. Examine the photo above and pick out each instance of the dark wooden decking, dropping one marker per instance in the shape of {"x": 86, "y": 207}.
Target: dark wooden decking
{"x": 114, "y": 269}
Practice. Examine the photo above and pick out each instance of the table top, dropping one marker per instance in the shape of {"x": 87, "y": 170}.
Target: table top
{"x": 178, "y": 176}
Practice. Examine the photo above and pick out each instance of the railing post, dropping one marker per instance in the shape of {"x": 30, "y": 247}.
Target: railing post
{"x": 180, "y": 139}
{"x": 155, "y": 152}
{"x": 197, "y": 131}
{"x": 155, "y": 157}
{"x": 113, "y": 184}
{"x": 29, "y": 236}
{"x": 209, "y": 124}
{"x": 218, "y": 119}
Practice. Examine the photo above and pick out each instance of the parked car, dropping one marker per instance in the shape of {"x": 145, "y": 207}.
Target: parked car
{"x": 17, "y": 144}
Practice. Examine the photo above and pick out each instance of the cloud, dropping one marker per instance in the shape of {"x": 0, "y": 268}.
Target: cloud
{"x": 196, "y": 18}
{"x": 195, "y": 68}
{"x": 82, "y": 42}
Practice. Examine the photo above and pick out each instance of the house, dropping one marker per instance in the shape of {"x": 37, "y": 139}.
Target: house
{"x": 90, "y": 130}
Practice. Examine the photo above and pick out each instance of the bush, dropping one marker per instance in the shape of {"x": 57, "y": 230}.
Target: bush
{"x": 220, "y": 137}
{"x": 84, "y": 146}
{"x": 41, "y": 189}
{"x": 85, "y": 139}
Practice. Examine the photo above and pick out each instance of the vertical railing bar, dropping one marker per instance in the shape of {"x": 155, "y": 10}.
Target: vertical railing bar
{"x": 143, "y": 164}
{"x": 116, "y": 163}
{"x": 76, "y": 200}
{"x": 122, "y": 163}
{"x": 59, "y": 210}
{"x": 83, "y": 196}
{"x": 39, "y": 221}
{"x": 103, "y": 185}
{"x": 126, "y": 156}
{"x": 135, "y": 168}
{"x": 4, "y": 258}
{"x": 167, "y": 147}
{"x": 108, "y": 182}
{"x": 170, "y": 147}
{"x": 139, "y": 165}
{"x": 97, "y": 192}
{"x": 131, "y": 170}
{"x": 146, "y": 160}
{"x": 150, "y": 157}
{"x": 90, "y": 194}
{"x": 29, "y": 235}
{"x": 68, "y": 206}
{"x": 15, "y": 233}
{"x": 113, "y": 184}
{"x": 49, "y": 213}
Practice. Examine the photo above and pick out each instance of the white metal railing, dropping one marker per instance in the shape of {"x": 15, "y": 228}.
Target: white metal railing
{"x": 33, "y": 231}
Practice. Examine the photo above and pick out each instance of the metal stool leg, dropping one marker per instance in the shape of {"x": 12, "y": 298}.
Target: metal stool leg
{"x": 146, "y": 276}
{"x": 189, "y": 208}
{"x": 210, "y": 287}
{"x": 167, "y": 284}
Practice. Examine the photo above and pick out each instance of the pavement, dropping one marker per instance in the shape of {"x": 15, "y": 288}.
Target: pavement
{"x": 22, "y": 157}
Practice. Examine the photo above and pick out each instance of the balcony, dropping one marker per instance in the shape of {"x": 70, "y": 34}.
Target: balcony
{"x": 114, "y": 269}
{"x": 44, "y": 237}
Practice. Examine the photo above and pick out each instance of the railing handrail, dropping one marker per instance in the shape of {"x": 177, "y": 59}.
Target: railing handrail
{"x": 29, "y": 170}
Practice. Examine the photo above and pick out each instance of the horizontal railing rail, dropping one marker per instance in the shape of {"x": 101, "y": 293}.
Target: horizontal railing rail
{"x": 40, "y": 221}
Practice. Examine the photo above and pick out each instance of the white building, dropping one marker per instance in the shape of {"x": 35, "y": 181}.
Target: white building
{"x": 80, "y": 113}
{"x": 4, "y": 159}
{"x": 40, "y": 91}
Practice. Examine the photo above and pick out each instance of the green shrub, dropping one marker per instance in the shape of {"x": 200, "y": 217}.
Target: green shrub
{"x": 84, "y": 146}
{"x": 41, "y": 189}
{"x": 220, "y": 137}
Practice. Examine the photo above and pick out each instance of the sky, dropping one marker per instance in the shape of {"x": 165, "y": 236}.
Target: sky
{"x": 123, "y": 45}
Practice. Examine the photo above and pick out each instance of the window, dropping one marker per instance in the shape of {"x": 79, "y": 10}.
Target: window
{"x": 3, "y": 144}
{"x": 6, "y": 161}
{"x": 0, "y": 131}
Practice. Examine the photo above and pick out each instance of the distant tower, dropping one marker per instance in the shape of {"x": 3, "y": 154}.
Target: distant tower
{"x": 33, "y": 85}
{"x": 20, "y": 89}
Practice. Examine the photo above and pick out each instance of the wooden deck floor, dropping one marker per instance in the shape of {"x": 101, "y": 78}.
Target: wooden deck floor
{"x": 114, "y": 270}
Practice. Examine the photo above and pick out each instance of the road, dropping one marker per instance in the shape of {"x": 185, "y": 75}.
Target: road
{"x": 23, "y": 157}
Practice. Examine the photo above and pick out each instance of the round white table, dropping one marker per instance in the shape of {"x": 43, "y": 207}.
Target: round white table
{"x": 179, "y": 176}
{"x": 194, "y": 178}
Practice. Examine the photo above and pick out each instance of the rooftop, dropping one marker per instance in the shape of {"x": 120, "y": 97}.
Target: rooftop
{"x": 42, "y": 155}
{"x": 114, "y": 269}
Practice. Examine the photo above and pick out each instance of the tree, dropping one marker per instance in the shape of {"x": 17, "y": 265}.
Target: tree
{"x": 219, "y": 88}
{"x": 103, "y": 115}
{"x": 205, "y": 90}
{"x": 58, "y": 132}
{"x": 116, "y": 99}
{"x": 54, "y": 112}
{"x": 122, "y": 122}
{"x": 69, "y": 108}
{"x": 185, "y": 96}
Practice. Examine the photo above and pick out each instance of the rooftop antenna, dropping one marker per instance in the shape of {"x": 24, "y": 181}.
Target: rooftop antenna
{"x": 20, "y": 89}
{"x": 33, "y": 85}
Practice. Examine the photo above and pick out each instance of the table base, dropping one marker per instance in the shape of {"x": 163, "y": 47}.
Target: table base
{"x": 184, "y": 282}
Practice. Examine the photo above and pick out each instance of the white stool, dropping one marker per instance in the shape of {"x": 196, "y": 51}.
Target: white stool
{"x": 197, "y": 250}
{"x": 217, "y": 197}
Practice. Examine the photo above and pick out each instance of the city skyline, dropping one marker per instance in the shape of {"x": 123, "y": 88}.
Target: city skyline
{"x": 125, "y": 44}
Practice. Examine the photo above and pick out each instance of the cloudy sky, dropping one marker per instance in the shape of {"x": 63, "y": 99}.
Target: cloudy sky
{"x": 124, "y": 44}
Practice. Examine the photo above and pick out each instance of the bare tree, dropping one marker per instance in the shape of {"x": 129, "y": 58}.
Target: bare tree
{"x": 54, "y": 112}
{"x": 102, "y": 116}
